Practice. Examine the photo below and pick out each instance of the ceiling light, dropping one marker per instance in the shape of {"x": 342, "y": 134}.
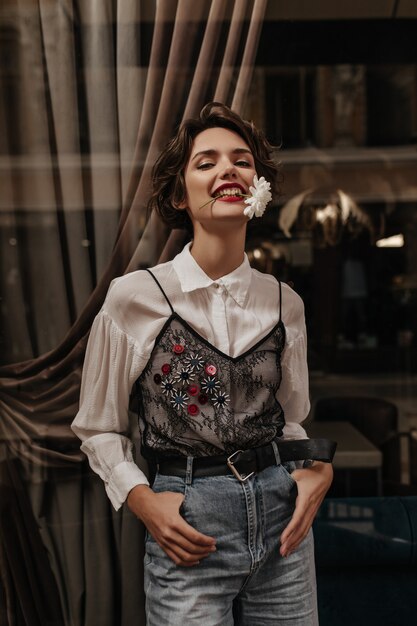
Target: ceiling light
{"x": 396, "y": 241}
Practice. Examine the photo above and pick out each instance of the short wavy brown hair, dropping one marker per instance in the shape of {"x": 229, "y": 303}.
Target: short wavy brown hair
{"x": 168, "y": 184}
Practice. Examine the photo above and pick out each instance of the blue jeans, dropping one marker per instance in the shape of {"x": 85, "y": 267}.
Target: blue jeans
{"x": 246, "y": 582}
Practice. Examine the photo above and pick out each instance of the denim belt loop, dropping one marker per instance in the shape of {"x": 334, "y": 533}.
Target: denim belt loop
{"x": 276, "y": 452}
{"x": 189, "y": 470}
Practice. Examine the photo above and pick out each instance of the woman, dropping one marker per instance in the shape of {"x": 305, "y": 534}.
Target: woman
{"x": 216, "y": 354}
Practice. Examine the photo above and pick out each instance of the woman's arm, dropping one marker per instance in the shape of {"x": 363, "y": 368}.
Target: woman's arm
{"x": 112, "y": 364}
{"x": 160, "y": 514}
{"x": 312, "y": 482}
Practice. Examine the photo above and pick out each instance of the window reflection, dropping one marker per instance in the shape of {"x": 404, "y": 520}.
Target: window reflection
{"x": 339, "y": 96}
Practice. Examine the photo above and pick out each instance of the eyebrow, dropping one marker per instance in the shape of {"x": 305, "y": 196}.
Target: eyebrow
{"x": 212, "y": 152}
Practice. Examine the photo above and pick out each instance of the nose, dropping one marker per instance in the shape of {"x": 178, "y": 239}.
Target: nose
{"x": 229, "y": 170}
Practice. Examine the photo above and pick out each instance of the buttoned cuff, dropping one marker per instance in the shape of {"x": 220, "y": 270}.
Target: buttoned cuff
{"x": 294, "y": 430}
{"x": 123, "y": 478}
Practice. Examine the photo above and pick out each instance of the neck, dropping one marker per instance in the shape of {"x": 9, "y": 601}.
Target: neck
{"x": 219, "y": 254}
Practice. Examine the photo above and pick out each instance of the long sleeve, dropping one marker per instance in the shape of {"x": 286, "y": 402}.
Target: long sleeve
{"x": 232, "y": 313}
{"x": 112, "y": 363}
{"x": 293, "y": 393}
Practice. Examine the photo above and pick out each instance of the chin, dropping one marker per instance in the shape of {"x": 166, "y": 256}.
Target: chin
{"x": 227, "y": 210}
{"x": 235, "y": 221}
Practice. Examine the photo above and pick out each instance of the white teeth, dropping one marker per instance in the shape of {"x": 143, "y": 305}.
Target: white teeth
{"x": 230, "y": 191}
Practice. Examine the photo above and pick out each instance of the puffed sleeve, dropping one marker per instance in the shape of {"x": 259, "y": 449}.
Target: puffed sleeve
{"x": 293, "y": 394}
{"x": 112, "y": 363}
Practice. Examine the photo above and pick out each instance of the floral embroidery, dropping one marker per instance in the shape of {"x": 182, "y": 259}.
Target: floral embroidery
{"x": 167, "y": 385}
{"x": 183, "y": 376}
{"x": 194, "y": 360}
{"x": 220, "y": 399}
{"x": 179, "y": 399}
{"x": 210, "y": 384}
{"x": 199, "y": 411}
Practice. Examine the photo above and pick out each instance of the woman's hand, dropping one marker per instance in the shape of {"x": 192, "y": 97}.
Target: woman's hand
{"x": 312, "y": 483}
{"x": 160, "y": 514}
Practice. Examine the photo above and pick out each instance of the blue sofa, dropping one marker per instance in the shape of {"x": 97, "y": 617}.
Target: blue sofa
{"x": 366, "y": 557}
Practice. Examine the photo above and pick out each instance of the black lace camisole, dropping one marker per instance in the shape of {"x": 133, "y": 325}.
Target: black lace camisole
{"x": 195, "y": 400}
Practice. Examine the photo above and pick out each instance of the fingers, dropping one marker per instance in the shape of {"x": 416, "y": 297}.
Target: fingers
{"x": 177, "y": 560}
{"x": 181, "y": 551}
{"x": 180, "y": 541}
{"x": 296, "y": 520}
{"x": 192, "y": 535}
{"x": 298, "y": 528}
{"x": 312, "y": 484}
{"x": 184, "y": 556}
{"x": 184, "y": 545}
{"x": 189, "y": 546}
{"x": 298, "y": 534}
{"x": 177, "y": 542}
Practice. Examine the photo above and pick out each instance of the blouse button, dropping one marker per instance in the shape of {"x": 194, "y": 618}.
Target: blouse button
{"x": 166, "y": 368}
{"x": 157, "y": 378}
{"x": 178, "y": 348}
{"x": 193, "y": 409}
{"x": 193, "y": 390}
{"x": 202, "y": 398}
{"x": 210, "y": 369}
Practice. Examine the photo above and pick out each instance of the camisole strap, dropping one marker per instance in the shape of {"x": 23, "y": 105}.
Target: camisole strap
{"x": 280, "y": 300}
{"x": 163, "y": 292}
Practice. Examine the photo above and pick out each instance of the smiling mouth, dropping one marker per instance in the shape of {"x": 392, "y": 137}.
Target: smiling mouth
{"x": 230, "y": 192}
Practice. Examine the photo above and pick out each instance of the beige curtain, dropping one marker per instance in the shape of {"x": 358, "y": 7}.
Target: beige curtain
{"x": 90, "y": 94}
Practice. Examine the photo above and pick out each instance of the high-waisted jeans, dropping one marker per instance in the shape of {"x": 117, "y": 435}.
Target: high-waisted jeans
{"x": 246, "y": 582}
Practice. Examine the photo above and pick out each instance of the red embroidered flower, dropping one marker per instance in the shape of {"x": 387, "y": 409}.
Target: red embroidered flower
{"x": 202, "y": 398}
{"x": 193, "y": 390}
{"x": 178, "y": 348}
{"x": 166, "y": 368}
{"x": 210, "y": 369}
{"x": 193, "y": 409}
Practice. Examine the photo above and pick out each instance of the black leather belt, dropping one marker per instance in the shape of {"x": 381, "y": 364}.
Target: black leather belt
{"x": 244, "y": 463}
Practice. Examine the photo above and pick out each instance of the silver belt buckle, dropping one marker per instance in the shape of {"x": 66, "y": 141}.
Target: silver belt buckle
{"x": 240, "y": 477}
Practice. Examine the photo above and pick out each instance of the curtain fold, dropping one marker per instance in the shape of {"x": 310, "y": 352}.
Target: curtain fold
{"x": 94, "y": 92}
{"x": 60, "y": 76}
{"x": 23, "y": 555}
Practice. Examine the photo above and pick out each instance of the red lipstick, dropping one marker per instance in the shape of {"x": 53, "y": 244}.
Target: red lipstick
{"x": 229, "y": 199}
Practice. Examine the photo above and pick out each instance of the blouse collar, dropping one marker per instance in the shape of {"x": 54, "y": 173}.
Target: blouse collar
{"x": 192, "y": 277}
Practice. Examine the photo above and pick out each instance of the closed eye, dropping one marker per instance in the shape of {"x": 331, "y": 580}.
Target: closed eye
{"x": 240, "y": 163}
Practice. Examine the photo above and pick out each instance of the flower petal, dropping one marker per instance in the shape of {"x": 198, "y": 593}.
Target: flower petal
{"x": 260, "y": 196}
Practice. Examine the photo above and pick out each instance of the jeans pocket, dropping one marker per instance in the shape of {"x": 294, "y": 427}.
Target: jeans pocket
{"x": 288, "y": 467}
{"x": 175, "y": 484}
{"x": 147, "y": 559}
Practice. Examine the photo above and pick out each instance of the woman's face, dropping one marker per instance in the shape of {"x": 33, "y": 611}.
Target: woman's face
{"x": 220, "y": 169}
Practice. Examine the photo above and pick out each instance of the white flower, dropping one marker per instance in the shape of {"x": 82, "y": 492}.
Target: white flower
{"x": 260, "y": 197}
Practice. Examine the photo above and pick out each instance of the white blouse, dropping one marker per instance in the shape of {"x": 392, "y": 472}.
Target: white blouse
{"x": 232, "y": 312}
